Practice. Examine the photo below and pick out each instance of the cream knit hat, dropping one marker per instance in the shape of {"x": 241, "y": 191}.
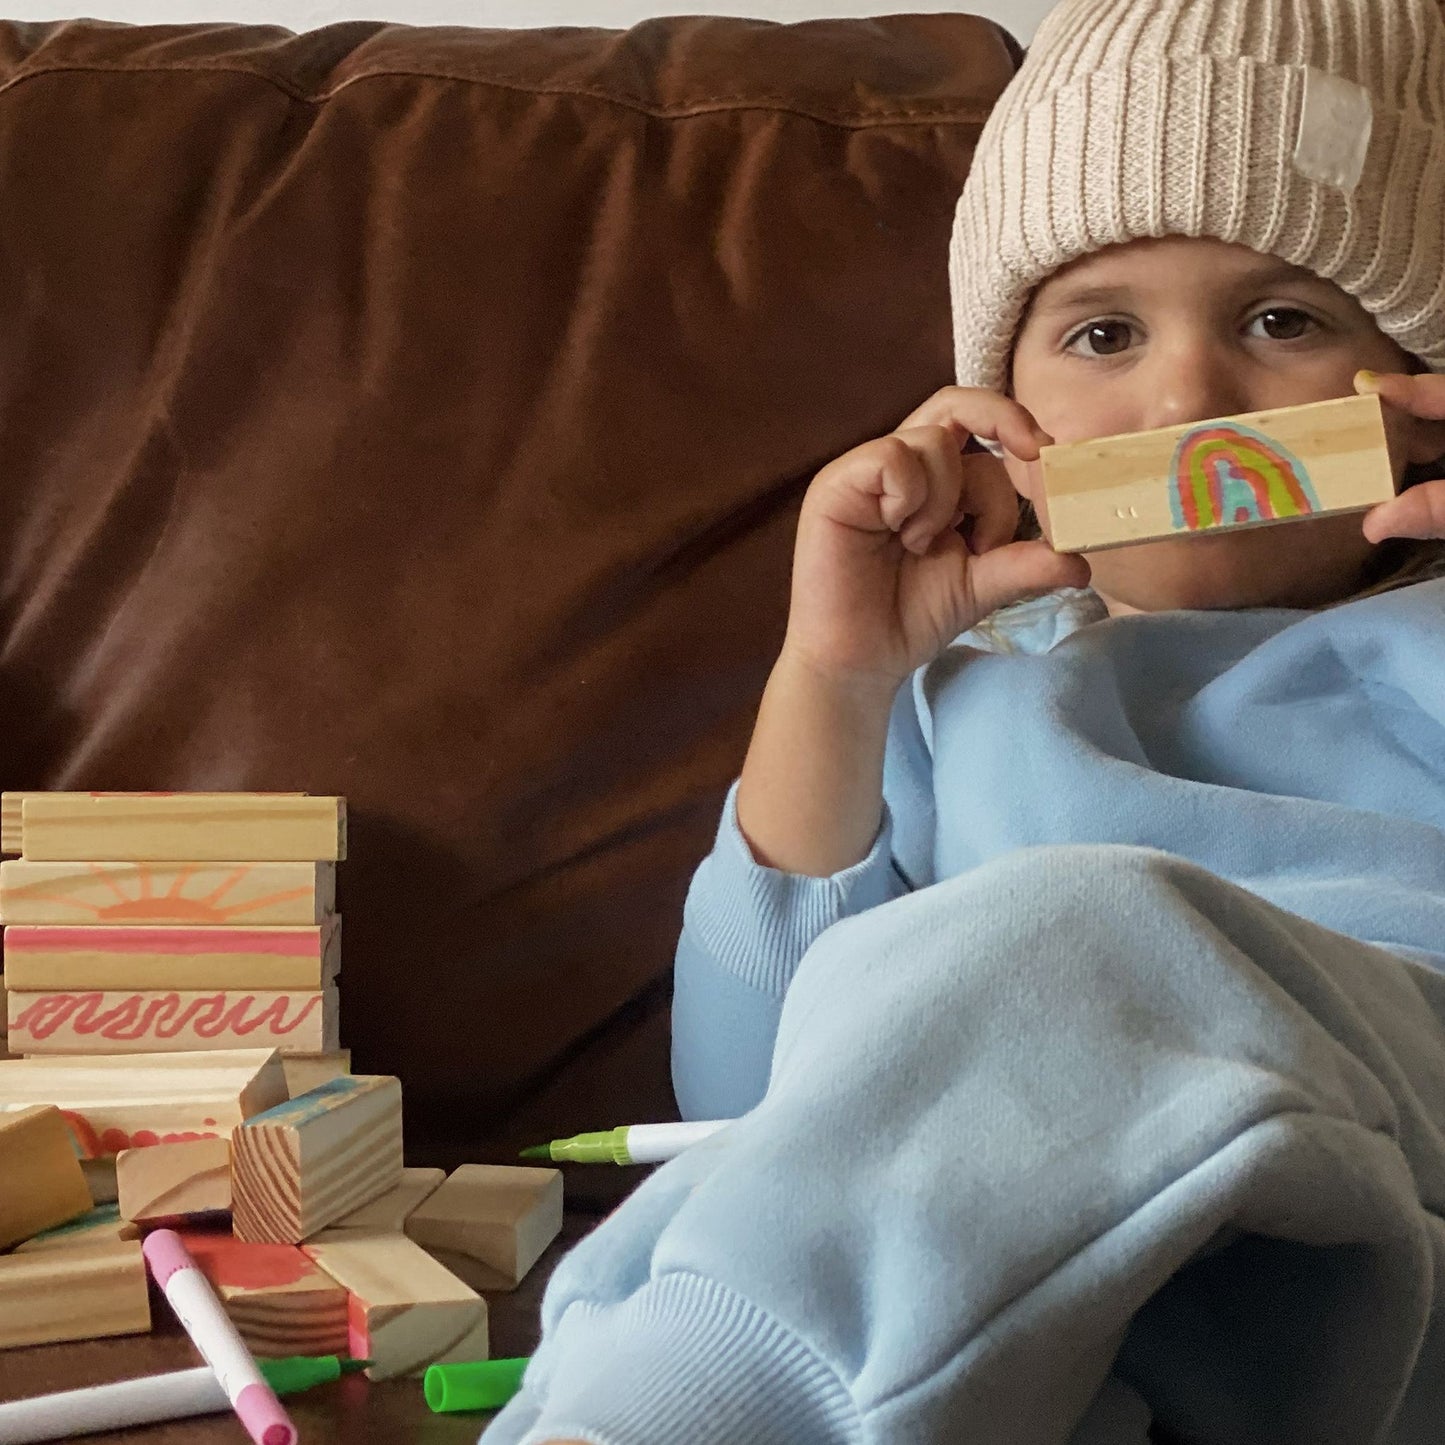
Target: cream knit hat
{"x": 1311, "y": 130}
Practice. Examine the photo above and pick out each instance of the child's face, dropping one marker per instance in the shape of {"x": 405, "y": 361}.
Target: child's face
{"x": 1160, "y": 333}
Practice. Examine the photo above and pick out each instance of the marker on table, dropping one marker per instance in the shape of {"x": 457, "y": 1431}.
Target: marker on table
{"x": 213, "y": 1334}
{"x": 628, "y": 1143}
{"x": 153, "y": 1398}
{"x": 484, "y": 1385}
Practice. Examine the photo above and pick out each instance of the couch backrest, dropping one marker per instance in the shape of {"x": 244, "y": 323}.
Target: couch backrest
{"x": 421, "y": 415}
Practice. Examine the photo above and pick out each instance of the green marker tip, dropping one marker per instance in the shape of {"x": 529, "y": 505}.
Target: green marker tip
{"x": 537, "y": 1151}
{"x": 352, "y": 1367}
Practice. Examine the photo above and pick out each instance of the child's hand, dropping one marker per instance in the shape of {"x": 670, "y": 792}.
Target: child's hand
{"x": 1419, "y": 512}
{"x": 882, "y": 581}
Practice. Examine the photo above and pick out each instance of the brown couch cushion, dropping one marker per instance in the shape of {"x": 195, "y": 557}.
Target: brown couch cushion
{"x": 420, "y": 415}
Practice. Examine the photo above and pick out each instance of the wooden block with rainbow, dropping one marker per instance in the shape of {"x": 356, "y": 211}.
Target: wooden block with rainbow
{"x": 1245, "y": 471}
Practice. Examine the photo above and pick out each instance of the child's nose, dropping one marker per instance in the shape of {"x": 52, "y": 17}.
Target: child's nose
{"x": 1193, "y": 379}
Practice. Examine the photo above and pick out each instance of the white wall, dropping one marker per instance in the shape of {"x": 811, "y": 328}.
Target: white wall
{"x": 1021, "y": 16}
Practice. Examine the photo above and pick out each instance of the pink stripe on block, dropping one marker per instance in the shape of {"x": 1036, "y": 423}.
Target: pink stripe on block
{"x": 302, "y": 942}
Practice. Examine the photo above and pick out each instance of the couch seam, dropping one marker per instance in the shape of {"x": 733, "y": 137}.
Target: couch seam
{"x": 704, "y": 105}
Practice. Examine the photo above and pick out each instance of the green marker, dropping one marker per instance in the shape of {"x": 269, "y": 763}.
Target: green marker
{"x": 294, "y": 1373}
{"x": 628, "y": 1143}
{"x": 485, "y": 1385}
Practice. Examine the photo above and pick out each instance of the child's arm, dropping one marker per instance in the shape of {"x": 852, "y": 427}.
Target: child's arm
{"x": 882, "y": 583}
{"x": 805, "y": 840}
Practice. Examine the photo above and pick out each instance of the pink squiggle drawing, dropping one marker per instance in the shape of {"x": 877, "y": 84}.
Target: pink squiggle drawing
{"x": 160, "y": 1016}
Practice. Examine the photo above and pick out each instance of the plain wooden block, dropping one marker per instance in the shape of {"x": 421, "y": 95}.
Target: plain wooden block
{"x": 407, "y": 1311}
{"x": 307, "y": 1162}
{"x": 489, "y": 1223}
{"x": 210, "y": 895}
{"x": 388, "y": 1213}
{"x": 52, "y": 957}
{"x": 183, "y": 827}
{"x": 74, "y": 1021}
{"x": 1261, "y": 468}
{"x": 114, "y": 1102}
{"x": 84, "y": 1293}
{"x": 41, "y": 1184}
{"x": 101, "y": 1225}
{"x": 305, "y": 1072}
{"x": 100, "y": 1177}
{"x": 12, "y": 804}
{"x": 281, "y": 1302}
{"x": 164, "y": 1183}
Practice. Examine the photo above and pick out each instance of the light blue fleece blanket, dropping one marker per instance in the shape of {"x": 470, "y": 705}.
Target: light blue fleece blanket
{"x": 1110, "y": 1085}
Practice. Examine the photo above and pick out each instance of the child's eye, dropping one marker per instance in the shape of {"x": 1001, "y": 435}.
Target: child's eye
{"x": 1104, "y": 338}
{"x": 1283, "y": 323}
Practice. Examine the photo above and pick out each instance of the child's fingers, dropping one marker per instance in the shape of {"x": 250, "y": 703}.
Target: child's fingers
{"x": 972, "y": 411}
{"x": 1419, "y": 512}
{"x": 938, "y": 456}
{"x": 1422, "y": 396}
{"x": 1024, "y": 569}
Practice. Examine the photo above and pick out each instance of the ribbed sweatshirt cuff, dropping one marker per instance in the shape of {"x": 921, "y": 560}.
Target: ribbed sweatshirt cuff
{"x": 758, "y": 922}
{"x": 686, "y": 1359}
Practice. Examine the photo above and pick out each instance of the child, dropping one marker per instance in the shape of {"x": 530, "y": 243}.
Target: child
{"x": 1082, "y": 982}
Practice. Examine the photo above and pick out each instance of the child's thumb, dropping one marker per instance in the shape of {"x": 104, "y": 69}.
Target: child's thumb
{"x": 1023, "y": 569}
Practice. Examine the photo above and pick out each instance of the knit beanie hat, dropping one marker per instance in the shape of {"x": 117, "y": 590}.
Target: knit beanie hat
{"x": 1310, "y": 130}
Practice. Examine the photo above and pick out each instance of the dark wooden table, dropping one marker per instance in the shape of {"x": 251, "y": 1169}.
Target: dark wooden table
{"x": 353, "y": 1409}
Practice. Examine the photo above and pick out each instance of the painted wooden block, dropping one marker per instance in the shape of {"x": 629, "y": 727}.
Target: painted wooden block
{"x": 41, "y": 1184}
{"x": 95, "y": 1021}
{"x": 208, "y": 895}
{"x": 101, "y": 1225}
{"x": 281, "y": 1302}
{"x": 1244, "y": 471}
{"x": 305, "y": 1072}
{"x": 489, "y": 1223}
{"x": 84, "y": 1293}
{"x": 407, "y": 1311}
{"x": 115, "y": 1102}
{"x": 307, "y": 1162}
{"x": 183, "y": 827}
{"x": 51, "y": 957}
{"x": 388, "y": 1213}
{"x": 165, "y": 1183}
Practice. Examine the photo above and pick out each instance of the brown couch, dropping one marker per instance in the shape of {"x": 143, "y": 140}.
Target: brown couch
{"x": 421, "y": 415}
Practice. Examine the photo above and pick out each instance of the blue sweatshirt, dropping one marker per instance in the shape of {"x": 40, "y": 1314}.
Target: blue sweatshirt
{"x": 1300, "y": 755}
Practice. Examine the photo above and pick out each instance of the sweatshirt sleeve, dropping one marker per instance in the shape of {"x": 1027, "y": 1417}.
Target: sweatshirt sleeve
{"x": 746, "y": 927}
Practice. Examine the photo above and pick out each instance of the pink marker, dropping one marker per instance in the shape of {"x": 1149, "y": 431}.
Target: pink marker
{"x": 213, "y": 1334}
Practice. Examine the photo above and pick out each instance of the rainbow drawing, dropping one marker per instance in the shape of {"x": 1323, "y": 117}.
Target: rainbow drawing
{"x": 1225, "y": 474}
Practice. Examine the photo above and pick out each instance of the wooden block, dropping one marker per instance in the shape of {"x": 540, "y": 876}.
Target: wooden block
{"x": 47, "y": 958}
{"x": 489, "y": 1223}
{"x": 166, "y": 1182}
{"x": 151, "y": 1021}
{"x": 1244, "y": 471}
{"x": 304, "y": 1163}
{"x": 84, "y": 1293}
{"x": 305, "y": 1072}
{"x": 40, "y": 1180}
{"x": 407, "y": 1312}
{"x": 99, "y": 1174}
{"x": 183, "y": 827}
{"x": 117, "y": 1102}
{"x": 101, "y": 1225}
{"x": 388, "y": 1213}
{"x": 10, "y": 822}
{"x": 279, "y": 1300}
{"x": 211, "y": 895}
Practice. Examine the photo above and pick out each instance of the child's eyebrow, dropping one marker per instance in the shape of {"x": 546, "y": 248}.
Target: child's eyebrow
{"x": 1104, "y": 295}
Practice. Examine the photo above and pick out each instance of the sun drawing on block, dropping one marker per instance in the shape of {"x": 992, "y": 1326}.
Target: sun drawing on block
{"x": 145, "y": 896}
{"x": 1225, "y": 474}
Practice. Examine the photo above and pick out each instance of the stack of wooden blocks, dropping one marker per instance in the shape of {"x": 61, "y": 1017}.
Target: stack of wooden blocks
{"x": 282, "y": 1170}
